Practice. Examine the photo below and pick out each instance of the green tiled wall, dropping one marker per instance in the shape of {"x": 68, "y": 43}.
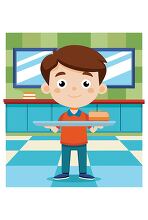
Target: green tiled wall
{"x": 106, "y": 40}
{"x": 74, "y": 38}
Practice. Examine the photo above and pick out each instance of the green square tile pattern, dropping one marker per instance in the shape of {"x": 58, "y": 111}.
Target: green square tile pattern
{"x": 31, "y": 40}
{"x": 136, "y": 94}
{"x": 49, "y": 40}
{"x": 138, "y": 75}
{"x": 9, "y": 58}
{"x": 74, "y": 38}
{"x": 134, "y": 40}
{"x": 99, "y": 40}
{"x": 94, "y": 40}
{"x": 116, "y": 40}
{"x": 13, "y": 40}
{"x": 117, "y": 93}
{"x": 138, "y": 58}
{"x": 9, "y": 75}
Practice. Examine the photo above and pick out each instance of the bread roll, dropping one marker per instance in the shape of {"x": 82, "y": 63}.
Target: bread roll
{"x": 98, "y": 116}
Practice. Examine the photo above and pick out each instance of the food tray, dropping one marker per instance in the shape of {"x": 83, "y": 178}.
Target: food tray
{"x": 74, "y": 123}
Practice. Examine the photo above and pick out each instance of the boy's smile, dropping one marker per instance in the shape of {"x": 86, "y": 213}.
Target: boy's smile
{"x": 73, "y": 88}
{"x": 76, "y": 96}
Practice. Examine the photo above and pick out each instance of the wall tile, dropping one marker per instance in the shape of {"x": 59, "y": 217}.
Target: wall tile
{"x": 138, "y": 58}
{"x": 117, "y": 93}
{"x": 9, "y": 74}
{"x": 134, "y": 40}
{"x": 138, "y": 74}
{"x": 135, "y": 93}
{"x": 116, "y": 40}
{"x": 13, "y": 93}
{"x": 49, "y": 40}
{"x": 99, "y": 40}
{"x": 13, "y": 40}
{"x": 31, "y": 40}
{"x": 9, "y": 58}
{"x": 74, "y": 38}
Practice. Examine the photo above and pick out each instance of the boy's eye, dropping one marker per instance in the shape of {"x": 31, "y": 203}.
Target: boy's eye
{"x": 86, "y": 83}
{"x": 61, "y": 83}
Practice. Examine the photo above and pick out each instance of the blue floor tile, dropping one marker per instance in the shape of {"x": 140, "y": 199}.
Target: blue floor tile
{"x": 29, "y": 176}
{"x": 35, "y": 158}
{"x": 118, "y": 176}
{"x": 45, "y": 138}
{"x": 117, "y": 158}
{"x": 15, "y": 144}
{"x": 132, "y": 144}
{"x": 74, "y": 180}
{"x": 102, "y": 138}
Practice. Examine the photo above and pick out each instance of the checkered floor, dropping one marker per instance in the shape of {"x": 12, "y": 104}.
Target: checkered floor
{"x": 115, "y": 161}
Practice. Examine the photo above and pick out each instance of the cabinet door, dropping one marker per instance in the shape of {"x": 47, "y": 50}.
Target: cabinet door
{"x": 16, "y": 118}
{"x": 89, "y": 108}
{"x": 114, "y": 112}
{"x": 131, "y": 118}
{"x": 38, "y": 112}
{"x": 57, "y": 111}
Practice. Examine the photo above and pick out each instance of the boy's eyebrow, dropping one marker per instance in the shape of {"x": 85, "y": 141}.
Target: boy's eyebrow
{"x": 87, "y": 73}
{"x": 60, "y": 73}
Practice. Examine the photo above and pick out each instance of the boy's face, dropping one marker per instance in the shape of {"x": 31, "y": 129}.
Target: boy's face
{"x": 73, "y": 88}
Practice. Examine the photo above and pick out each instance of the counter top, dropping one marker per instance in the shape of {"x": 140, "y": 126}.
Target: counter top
{"x": 51, "y": 101}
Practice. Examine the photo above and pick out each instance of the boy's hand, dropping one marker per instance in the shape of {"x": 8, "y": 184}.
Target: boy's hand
{"x": 94, "y": 129}
{"x": 98, "y": 127}
{"x": 52, "y": 128}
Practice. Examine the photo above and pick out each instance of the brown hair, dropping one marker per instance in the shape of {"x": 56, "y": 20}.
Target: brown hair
{"x": 76, "y": 57}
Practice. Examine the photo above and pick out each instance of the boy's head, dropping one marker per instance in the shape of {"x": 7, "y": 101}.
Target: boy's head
{"x": 74, "y": 75}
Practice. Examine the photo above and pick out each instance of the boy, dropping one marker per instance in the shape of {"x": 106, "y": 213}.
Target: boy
{"x": 74, "y": 76}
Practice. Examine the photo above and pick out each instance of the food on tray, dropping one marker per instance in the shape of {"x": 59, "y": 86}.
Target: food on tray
{"x": 99, "y": 116}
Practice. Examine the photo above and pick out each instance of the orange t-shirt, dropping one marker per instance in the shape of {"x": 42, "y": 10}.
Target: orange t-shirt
{"x": 74, "y": 136}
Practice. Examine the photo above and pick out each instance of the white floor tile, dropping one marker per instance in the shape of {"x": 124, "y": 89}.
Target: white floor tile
{"x": 18, "y": 137}
{"x": 129, "y": 137}
{"x": 74, "y": 158}
{"x": 10, "y": 155}
{"x": 45, "y": 145}
{"x": 137, "y": 154}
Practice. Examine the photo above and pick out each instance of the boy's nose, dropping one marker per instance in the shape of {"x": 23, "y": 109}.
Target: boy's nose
{"x": 74, "y": 88}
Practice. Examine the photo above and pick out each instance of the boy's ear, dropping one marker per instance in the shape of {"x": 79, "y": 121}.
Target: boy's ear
{"x": 102, "y": 88}
{"x": 45, "y": 88}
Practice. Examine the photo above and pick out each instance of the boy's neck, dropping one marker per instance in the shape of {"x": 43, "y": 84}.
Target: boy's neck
{"x": 74, "y": 110}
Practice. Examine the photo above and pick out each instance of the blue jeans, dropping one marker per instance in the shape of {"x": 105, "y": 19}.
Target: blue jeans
{"x": 82, "y": 157}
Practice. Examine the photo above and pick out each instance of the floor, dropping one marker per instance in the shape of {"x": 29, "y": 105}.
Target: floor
{"x": 115, "y": 161}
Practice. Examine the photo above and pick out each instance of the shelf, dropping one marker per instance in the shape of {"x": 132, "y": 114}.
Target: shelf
{"x": 51, "y": 101}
